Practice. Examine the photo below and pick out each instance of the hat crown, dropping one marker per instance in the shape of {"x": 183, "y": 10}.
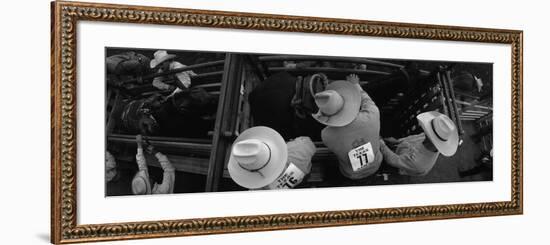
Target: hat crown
{"x": 251, "y": 154}
{"x": 329, "y": 102}
{"x": 139, "y": 185}
{"x": 443, "y": 127}
{"x": 160, "y": 53}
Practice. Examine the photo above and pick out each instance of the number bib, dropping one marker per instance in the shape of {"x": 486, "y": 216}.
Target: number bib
{"x": 361, "y": 156}
{"x": 290, "y": 178}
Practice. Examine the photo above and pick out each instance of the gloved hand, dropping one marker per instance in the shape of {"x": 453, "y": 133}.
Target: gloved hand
{"x": 353, "y": 78}
{"x": 139, "y": 141}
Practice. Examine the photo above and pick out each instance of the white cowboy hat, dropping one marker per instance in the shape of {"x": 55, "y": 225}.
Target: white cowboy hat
{"x": 161, "y": 56}
{"x": 441, "y": 130}
{"x": 258, "y": 157}
{"x": 338, "y": 105}
{"x": 141, "y": 184}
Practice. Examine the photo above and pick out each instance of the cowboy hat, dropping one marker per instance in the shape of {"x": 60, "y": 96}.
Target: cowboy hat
{"x": 338, "y": 105}
{"x": 161, "y": 56}
{"x": 441, "y": 130}
{"x": 141, "y": 184}
{"x": 258, "y": 157}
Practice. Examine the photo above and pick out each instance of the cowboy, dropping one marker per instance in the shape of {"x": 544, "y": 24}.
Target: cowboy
{"x": 141, "y": 184}
{"x": 416, "y": 155}
{"x": 260, "y": 159}
{"x": 353, "y": 127}
{"x": 165, "y": 62}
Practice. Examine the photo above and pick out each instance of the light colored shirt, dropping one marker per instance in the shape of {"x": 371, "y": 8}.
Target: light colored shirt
{"x": 300, "y": 152}
{"x": 368, "y": 110}
{"x": 168, "y": 178}
{"x": 364, "y": 129}
{"x": 411, "y": 157}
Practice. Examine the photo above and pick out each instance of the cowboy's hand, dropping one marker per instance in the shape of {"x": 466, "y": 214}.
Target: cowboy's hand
{"x": 479, "y": 83}
{"x": 159, "y": 84}
{"x": 353, "y": 78}
{"x": 321, "y": 116}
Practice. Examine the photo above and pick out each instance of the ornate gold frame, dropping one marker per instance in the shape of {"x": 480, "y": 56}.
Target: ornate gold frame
{"x": 65, "y": 15}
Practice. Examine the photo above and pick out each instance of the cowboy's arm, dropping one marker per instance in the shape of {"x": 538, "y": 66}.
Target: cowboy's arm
{"x": 168, "y": 177}
{"x": 140, "y": 159}
{"x": 300, "y": 152}
{"x": 158, "y": 83}
{"x": 177, "y": 90}
{"x": 367, "y": 104}
{"x": 402, "y": 161}
{"x": 184, "y": 76}
{"x": 164, "y": 162}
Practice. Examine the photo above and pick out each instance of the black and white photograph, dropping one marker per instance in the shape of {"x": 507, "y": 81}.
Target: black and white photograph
{"x": 187, "y": 121}
{"x": 274, "y": 122}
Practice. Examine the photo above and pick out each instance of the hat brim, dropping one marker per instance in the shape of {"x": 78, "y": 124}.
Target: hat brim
{"x": 352, "y": 103}
{"x": 154, "y": 62}
{"x": 446, "y": 148}
{"x": 273, "y": 168}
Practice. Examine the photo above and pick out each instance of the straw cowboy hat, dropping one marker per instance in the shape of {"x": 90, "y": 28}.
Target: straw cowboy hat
{"x": 161, "y": 56}
{"x": 441, "y": 130}
{"x": 258, "y": 157}
{"x": 338, "y": 105}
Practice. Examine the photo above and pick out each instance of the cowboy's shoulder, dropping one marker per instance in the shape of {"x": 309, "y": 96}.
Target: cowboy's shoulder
{"x": 407, "y": 148}
{"x": 302, "y": 140}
